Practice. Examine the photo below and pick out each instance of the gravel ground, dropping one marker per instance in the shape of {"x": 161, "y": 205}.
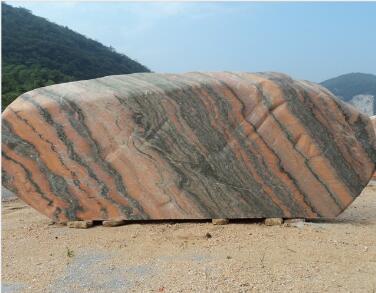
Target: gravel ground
{"x": 321, "y": 256}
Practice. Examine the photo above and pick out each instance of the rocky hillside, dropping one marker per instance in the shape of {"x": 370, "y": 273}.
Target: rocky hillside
{"x": 359, "y": 89}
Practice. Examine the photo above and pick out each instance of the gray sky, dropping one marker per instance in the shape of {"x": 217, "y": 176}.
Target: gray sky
{"x": 313, "y": 41}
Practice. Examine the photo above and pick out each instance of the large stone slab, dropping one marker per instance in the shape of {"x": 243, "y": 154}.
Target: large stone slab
{"x": 190, "y": 146}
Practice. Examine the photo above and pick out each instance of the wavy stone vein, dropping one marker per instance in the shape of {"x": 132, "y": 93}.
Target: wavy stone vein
{"x": 189, "y": 146}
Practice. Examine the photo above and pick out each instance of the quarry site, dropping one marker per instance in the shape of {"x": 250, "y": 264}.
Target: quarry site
{"x": 188, "y": 147}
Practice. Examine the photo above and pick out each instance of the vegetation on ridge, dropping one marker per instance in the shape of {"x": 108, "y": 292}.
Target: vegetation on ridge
{"x": 38, "y": 53}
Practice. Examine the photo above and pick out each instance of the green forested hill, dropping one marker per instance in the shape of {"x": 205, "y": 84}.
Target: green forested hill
{"x": 349, "y": 85}
{"x": 36, "y": 52}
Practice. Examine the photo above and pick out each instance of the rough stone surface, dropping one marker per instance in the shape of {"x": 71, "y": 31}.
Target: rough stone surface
{"x": 364, "y": 103}
{"x": 220, "y": 221}
{"x": 80, "y": 224}
{"x": 273, "y": 221}
{"x": 190, "y": 146}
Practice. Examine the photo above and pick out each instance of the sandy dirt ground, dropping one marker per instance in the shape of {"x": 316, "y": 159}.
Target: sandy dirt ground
{"x": 322, "y": 256}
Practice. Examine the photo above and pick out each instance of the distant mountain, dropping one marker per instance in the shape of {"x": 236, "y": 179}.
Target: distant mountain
{"x": 37, "y": 53}
{"x": 358, "y": 89}
{"x": 349, "y": 85}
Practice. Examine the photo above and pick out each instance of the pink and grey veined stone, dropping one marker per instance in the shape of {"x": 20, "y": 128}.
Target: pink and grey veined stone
{"x": 188, "y": 146}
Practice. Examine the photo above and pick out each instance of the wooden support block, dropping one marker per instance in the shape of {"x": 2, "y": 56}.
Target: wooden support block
{"x": 220, "y": 221}
{"x": 113, "y": 223}
{"x": 273, "y": 221}
{"x": 292, "y": 221}
{"x": 80, "y": 224}
{"x": 297, "y": 223}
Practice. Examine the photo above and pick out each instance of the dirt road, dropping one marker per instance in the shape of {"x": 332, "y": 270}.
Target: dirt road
{"x": 326, "y": 256}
